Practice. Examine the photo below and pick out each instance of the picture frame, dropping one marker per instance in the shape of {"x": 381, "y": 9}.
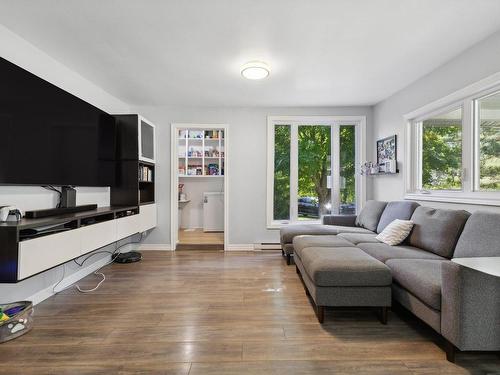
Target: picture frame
{"x": 387, "y": 150}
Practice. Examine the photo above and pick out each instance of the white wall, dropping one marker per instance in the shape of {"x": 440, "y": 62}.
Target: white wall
{"x": 22, "y": 53}
{"x": 478, "y": 62}
{"x": 246, "y": 154}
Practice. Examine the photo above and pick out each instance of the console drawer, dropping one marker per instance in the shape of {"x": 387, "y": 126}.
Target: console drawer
{"x": 97, "y": 235}
{"x": 127, "y": 226}
{"x": 147, "y": 217}
{"x": 42, "y": 253}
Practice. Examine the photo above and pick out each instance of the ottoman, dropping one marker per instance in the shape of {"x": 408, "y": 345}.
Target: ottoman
{"x": 344, "y": 276}
{"x": 287, "y": 233}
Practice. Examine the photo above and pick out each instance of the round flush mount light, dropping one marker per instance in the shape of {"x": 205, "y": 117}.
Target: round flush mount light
{"x": 255, "y": 70}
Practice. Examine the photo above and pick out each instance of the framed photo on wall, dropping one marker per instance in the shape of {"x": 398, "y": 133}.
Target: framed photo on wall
{"x": 387, "y": 154}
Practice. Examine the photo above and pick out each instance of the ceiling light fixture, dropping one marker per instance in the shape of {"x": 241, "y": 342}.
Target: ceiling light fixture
{"x": 255, "y": 70}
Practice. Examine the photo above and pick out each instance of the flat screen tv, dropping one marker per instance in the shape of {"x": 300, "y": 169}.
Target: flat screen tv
{"x": 50, "y": 137}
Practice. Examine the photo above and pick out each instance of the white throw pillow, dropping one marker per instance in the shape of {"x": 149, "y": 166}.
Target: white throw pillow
{"x": 395, "y": 232}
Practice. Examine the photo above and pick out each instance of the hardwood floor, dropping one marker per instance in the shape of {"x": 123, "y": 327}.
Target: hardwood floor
{"x": 193, "y": 239}
{"x": 214, "y": 313}
{"x": 198, "y": 240}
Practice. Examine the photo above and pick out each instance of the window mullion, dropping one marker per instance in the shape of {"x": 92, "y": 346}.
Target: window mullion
{"x": 418, "y": 156}
{"x": 335, "y": 170}
{"x": 468, "y": 169}
{"x": 475, "y": 144}
{"x": 294, "y": 172}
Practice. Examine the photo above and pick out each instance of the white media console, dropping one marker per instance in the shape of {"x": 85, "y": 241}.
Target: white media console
{"x": 26, "y": 252}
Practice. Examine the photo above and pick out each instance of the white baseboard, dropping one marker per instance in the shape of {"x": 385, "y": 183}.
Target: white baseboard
{"x": 241, "y": 247}
{"x": 267, "y": 246}
{"x": 155, "y": 247}
{"x": 43, "y": 294}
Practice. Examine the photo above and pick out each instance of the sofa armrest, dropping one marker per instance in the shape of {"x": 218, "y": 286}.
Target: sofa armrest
{"x": 470, "y": 308}
{"x": 344, "y": 220}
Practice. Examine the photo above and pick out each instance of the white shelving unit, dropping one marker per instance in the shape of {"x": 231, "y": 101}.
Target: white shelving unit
{"x": 201, "y": 153}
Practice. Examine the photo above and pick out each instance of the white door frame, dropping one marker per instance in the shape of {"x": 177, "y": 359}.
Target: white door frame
{"x": 174, "y": 178}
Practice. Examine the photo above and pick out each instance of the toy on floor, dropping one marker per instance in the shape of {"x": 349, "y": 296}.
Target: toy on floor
{"x": 3, "y": 316}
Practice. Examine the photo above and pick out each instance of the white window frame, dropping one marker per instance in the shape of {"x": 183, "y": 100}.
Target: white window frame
{"x": 465, "y": 98}
{"x": 359, "y": 122}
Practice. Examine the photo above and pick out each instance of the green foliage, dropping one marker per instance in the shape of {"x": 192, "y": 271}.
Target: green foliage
{"x": 282, "y": 172}
{"x": 347, "y": 164}
{"x": 314, "y": 163}
{"x": 489, "y": 160}
{"x": 441, "y": 157}
{"x": 314, "y": 154}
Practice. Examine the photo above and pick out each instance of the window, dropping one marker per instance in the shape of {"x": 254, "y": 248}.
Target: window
{"x": 312, "y": 168}
{"x": 282, "y": 172}
{"x": 488, "y": 119}
{"x": 314, "y": 171}
{"x": 454, "y": 152}
{"x": 442, "y": 151}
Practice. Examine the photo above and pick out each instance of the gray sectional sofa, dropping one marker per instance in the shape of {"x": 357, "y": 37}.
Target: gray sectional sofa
{"x": 342, "y": 264}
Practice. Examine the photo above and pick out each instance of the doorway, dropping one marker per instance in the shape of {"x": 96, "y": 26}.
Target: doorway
{"x": 199, "y": 206}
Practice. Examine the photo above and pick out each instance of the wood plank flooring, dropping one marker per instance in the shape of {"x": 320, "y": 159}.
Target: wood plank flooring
{"x": 198, "y": 237}
{"x": 214, "y": 313}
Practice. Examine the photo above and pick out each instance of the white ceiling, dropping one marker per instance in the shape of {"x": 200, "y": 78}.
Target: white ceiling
{"x": 188, "y": 52}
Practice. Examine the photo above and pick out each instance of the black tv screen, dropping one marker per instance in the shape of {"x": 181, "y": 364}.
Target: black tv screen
{"x": 50, "y": 137}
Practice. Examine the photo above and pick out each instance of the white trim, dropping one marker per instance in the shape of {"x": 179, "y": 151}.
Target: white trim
{"x": 270, "y": 174}
{"x": 449, "y": 198}
{"x": 277, "y": 224}
{"x": 360, "y": 158}
{"x": 466, "y": 99}
{"x": 174, "y": 177}
{"x": 471, "y": 90}
{"x": 294, "y": 172}
{"x": 241, "y": 247}
{"x": 294, "y": 121}
{"x": 335, "y": 168}
{"x": 153, "y": 247}
{"x": 267, "y": 246}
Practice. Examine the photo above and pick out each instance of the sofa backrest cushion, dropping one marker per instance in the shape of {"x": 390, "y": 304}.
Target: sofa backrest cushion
{"x": 401, "y": 210}
{"x": 369, "y": 216}
{"x": 480, "y": 237}
{"x": 437, "y": 230}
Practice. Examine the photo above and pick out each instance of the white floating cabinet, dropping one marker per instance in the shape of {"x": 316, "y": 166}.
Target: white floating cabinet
{"x": 97, "y": 235}
{"x": 46, "y": 252}
{"x": 147, "y": 217}
{"x": 127, "y": 226}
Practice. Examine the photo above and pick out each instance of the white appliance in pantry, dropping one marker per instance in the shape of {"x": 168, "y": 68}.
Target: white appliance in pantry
{"x": 213, "y": 212}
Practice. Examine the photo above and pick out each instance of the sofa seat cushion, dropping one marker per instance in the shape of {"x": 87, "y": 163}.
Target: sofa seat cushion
{"x": 437, "y": 230}
{"x": 287, "y": 233}
{"x": 384, "y": 252}
{"x": 370, "y": 215}
{"x": 302, "y": 242}
{"x": 356, "y": 238}
{"x": 420, "y": 277}
{"x": 344, "y": 266}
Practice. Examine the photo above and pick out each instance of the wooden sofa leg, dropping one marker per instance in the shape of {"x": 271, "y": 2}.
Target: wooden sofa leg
{"x": 282, "y": 252}
{"x": 320, "y": 313}
{"x": 288, "y": 259}
{"x": 383, "y": 314}
{"x": 451, "y": 350}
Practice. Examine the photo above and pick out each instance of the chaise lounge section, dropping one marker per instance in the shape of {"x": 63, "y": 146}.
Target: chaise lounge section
{"x": 460, "y": 303}
{"x": 372, "y": 220}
